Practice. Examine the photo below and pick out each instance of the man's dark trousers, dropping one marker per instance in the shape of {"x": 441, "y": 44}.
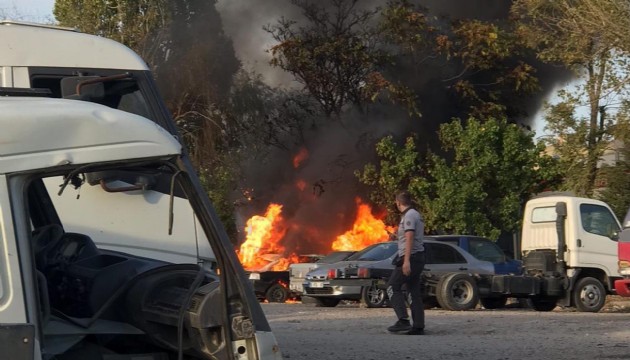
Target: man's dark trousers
{"x": 414, "y": 286}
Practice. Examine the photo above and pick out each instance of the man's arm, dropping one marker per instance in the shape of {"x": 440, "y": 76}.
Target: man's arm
{"x": 408, "y": 245}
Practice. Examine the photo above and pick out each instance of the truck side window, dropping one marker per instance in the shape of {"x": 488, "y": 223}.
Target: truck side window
{"x": 597, "y": 219}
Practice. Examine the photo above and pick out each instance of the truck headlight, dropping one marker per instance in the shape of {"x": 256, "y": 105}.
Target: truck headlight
{"x": 624, "y": 272}
{"x": 254, "y": 276}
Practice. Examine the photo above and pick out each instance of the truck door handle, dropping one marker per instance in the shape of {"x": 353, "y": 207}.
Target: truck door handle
{"x": 579, "y": 242}
{"x": 427, "y": 269}
{"x": 463, "y": 268}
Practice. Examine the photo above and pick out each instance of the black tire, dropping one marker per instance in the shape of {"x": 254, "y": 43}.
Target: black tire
{"x": 373, "y": 297}
{"x": 326, "y": 302}
{"x": 589, "y": 295}
{"x": 457, "y": 292}
{"x": 543, "y": 303}
{"x": 493, "y": 302}
{"x": 277, "y": 293}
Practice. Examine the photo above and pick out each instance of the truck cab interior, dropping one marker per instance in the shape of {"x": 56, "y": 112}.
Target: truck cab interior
{"x": 101, "y": 304}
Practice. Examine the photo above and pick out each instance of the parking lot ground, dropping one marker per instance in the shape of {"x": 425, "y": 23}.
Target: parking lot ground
{"x": 351, "y": 332}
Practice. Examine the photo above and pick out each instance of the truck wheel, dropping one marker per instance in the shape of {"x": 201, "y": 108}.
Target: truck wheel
{"x": 543, "y": 303}
{"x": 373, "y": 297}
{"x": 589, "y": 295}
{"x": 457, "y": 292}
{"x": 493, "y": 302}
{"x": 277, "y": 293}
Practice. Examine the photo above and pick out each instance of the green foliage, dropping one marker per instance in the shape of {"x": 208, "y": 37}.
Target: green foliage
{"x": 562, "y": 31}
{"x": 487, "y": 65}
{"x": 126, "y": 21}
{"x": 615, "y": 177}
{"x": 493, "y": 167}
{"x": 396, "y": 171}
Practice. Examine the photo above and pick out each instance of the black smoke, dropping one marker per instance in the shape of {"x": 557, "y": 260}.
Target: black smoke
{"x": 326, "y": 207}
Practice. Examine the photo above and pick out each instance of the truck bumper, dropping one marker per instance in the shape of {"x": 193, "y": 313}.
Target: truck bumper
{"x": 623, "y": 287}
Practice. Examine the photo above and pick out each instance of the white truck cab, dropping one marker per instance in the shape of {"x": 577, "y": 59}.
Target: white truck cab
{"x": 109, "y": 247}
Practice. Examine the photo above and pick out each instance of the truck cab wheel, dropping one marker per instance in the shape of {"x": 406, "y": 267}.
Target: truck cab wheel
{"x": 277, "y": 293}
{"x": 589, "y": 295}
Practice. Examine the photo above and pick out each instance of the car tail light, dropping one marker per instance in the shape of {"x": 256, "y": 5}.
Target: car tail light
{"x": 333, "y": 273}
{"x": 363, "y": 273}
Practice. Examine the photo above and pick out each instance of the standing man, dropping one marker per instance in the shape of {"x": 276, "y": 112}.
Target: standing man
{"x": 409, "y": 264}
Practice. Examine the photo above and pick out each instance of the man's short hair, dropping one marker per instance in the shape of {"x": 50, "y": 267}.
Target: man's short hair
{"x": 404, "y": 198}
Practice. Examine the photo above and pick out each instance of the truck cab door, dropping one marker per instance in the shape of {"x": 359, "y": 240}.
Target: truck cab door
{"x": 596, "y": 243}
{"x": 17, "y": 335}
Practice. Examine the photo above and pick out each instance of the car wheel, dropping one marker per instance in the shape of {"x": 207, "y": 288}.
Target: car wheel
{"x": 277, "y": 293}
{"x": 326, "y": 302}
{"x": 543, "y": 303}
{"x": 493, "y": 302}
{"x": 457, "y": 292}
{"x": 589, "y": 295}
{"x": 373, "y": 297}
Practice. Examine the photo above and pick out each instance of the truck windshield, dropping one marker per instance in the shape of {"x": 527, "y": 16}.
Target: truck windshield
{"x": 130, "y": 91}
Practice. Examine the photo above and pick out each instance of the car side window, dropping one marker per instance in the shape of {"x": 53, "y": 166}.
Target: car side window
{"x": 444, "y": 254}
{"x": 485, "y": 250}
{"x": 597, "y": 219}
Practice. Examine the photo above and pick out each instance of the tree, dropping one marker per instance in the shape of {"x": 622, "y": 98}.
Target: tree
{"x": 557, "y": 30}
{"x": 494, "y": 168}
{"x": 126, "y": 21}
{"x": 484, "y": 63}
{"x": 337, "y": 56}
{"x": 397, "y": 170}
{"x": 615, "y": 176}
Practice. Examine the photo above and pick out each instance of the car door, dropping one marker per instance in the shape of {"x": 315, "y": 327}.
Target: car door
{"x": 443, "y": 259}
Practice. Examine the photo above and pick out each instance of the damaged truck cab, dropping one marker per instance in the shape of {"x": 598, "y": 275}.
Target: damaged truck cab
{"x": 109, "y": 246}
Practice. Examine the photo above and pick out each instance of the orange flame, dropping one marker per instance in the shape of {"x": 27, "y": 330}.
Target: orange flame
{"x": 263, "y": 237}
{"x": 300, "y": 157}
{"x": 367, "y": 230}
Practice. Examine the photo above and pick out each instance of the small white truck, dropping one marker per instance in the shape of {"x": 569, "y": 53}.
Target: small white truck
{"x": 109, "y": 246}
{"x": 569, "y": 251}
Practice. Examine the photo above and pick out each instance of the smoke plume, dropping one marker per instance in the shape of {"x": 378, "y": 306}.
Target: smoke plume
{"x": 326, "y": 206}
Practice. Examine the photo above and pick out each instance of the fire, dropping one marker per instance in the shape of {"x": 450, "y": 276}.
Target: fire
{"x": 264, "y": 234}
{"x": 367, "y": 230}
{"x": 300, "y": 157}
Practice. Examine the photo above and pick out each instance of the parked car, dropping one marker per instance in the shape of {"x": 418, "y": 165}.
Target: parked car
{"x": 273, "y": 286}
{"x": 444, "y": 255}
{"x": 298, "y": 271}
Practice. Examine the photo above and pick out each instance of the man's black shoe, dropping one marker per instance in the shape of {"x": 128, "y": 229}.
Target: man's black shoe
{"x": 400, "y": 325}
{"x": 415, "y": 331}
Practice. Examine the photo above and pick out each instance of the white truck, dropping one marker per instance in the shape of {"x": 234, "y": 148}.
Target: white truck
{"x": 109, "y": 247}
{"x": 569, "y": 249}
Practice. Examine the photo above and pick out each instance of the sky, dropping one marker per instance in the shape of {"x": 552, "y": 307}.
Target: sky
{"x": 29, "y": 10}
{"x": 41, "y": 11}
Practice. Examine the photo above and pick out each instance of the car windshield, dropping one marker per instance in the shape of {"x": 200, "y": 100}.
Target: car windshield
{"x": 335, "y": 257}
{"x": 376, "y": 252}
{"x": 486, "y": 250}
